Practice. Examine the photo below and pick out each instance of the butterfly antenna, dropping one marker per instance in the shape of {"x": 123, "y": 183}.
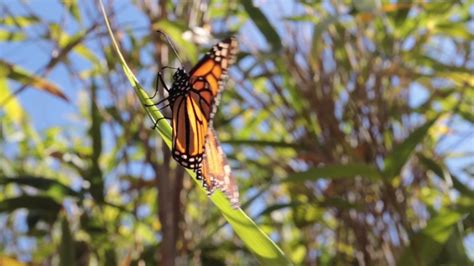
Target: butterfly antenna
{"x": 173, "y": 47}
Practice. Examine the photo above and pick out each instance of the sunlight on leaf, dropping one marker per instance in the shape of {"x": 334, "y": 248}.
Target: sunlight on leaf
{"x": 24, "y": 77}
{"x": 12, "y": 107}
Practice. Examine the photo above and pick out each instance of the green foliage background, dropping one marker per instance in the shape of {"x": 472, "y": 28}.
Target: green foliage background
{"x": 339, "y": 157}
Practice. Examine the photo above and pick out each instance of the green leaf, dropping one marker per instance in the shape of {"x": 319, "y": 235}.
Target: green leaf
{"x": 426, "y": 245}
{"x": 110, "y": 257}
{"x": 317, "y": 44}
{"x": 463, "y": 189}
{"x": 255, "y": 143}
{"x": 24, "y": 77}
{"x": 19, "y": 21}
{"x": 262, "y": 23}
{"x": 11, "y": 36}
{"x": 73, "y": 43}
{"x": 9, "y": 103}
{"x": 277, "y": 207}
{"x": 468, "y": 116}
{"x": 41, "y": 183}
{"x": 453, "y": 252}
{"x": 336, "y": 171}
{"x": 432, "y": 165}
{"x": 95, "y": 175}
{"x": 253, "y": 237}
{"x": 73, "y": 8}
{"x": 67, "y": 256}
{"x": 400, "y": 155}
{"x": 41, "y": 203}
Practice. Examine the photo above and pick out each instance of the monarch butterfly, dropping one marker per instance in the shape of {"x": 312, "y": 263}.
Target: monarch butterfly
{"x": 193, "y": 99}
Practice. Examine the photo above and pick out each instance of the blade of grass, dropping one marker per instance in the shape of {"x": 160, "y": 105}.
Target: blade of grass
{"x": 426, "y": 245}
{"x": 262, "y": 23}
{"x": 253, "y": 237}
{"x": 67, "y": 254}
{"x": 336, "y": 171}
{"x": 23, "y": 76}
{"x": 400, "y": 155}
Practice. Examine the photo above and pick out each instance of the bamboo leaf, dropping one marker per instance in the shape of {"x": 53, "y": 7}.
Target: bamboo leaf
{"x": 402, "y": 152}
{"x": 431, "y": 165}
{"x": 95, "y": 175}
{"x": 11, "y": 105}
{"x": 262, "y": 23}
{"x": 336, "y": 171}
{"x": 19, "y": 21}
{"x": 73, "y": 8}
{"x": 73, "y": 43}
{"x": 277, "y": 207}
{"x": 40, "y": 183}
{"x": 317, "y": 45}
{"x": 426, "y": 245}
{"x": 24, "y": 77}
{"x": 11, "y": 36}
{"x": 41, "y": 203}
{"x": 67, "y": 256}
{"x": 270, "y": 143}
{"x": 462, "y": 188}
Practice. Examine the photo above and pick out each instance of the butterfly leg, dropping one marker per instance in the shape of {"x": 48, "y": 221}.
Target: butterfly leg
{"x": 155, "y": 125}
{"x": 159, "y": 79}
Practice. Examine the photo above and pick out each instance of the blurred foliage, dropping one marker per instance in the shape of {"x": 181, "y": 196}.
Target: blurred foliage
{"x": 346, "y": 124}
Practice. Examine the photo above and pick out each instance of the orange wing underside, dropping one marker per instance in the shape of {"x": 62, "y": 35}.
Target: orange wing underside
{"x": 190, "y": 126}
{"x": 216, "y": 172}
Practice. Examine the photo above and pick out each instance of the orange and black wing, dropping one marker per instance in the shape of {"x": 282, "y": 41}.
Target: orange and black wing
{"x": 216, "y": 172}
{"x": 189, "y": 131}
{"x": 192, "y": 111}
{"x": 208, "y": 76}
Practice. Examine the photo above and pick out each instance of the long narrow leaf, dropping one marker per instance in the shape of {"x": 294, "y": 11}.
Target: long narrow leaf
{"x": 263, "y": 24}
{"x": 254, "y": 238}
{"x": 67, "y": 256}
{"x": 336, "y": 171}
{"x": 42, "y": 203}
{"x": 24, "y": 77}
{"x": 40, "y": 183}
{"x": 426, "y": 245}
{"x": 95, "y": 175}
{"x": 401, "y": 153}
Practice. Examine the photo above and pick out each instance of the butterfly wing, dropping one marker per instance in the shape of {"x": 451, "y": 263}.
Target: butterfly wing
{"x": 208, "y": 76}
{"x": 189, "y": 131}
{"x": 216, "y": 172}
{"x": 195, "y": 102}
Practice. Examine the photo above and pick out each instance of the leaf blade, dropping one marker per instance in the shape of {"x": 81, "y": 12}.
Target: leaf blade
{"x": 336, "y": 171}
{"x": 400, "y": 155}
